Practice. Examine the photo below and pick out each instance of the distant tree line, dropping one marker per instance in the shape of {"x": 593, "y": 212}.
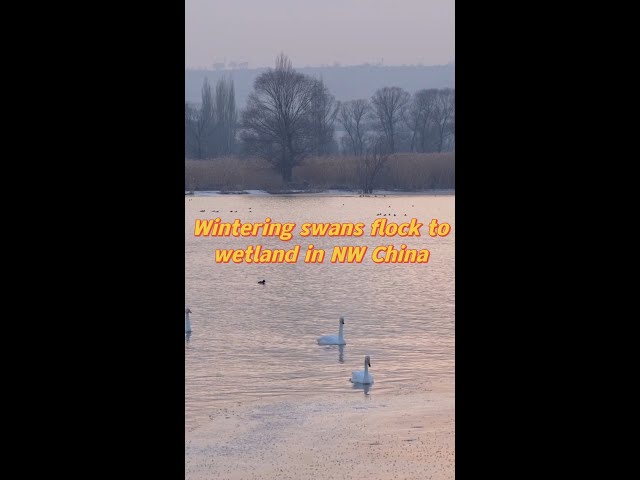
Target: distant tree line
{"x": 290, "y": 116}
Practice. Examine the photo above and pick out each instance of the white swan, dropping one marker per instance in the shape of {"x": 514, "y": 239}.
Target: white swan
{"x": 334, "y": 339}
{"x": 363, "y": 376}
{"x": 187, "y": 323}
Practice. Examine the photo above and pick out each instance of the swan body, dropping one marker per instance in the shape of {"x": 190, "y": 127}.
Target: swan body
{"x": 363, "y": 376}
{"x": 187, "y": 322}
{"x": 334, "y": 339}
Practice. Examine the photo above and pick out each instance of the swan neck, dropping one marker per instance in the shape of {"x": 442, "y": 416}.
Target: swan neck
{"x": 340, "y": 332}
{"x": 187, "y": 322}
{"x": 366, "y": 370}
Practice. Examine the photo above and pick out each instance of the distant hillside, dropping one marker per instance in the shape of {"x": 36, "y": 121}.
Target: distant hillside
{"x": 346, "y": 83}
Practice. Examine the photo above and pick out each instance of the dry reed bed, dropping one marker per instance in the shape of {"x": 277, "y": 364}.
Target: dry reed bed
{"x": 403, "y": 171}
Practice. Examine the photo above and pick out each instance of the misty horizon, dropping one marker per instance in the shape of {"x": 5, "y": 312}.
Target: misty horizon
{"x": 315, "y": 34}
{"x": 232, "y": 64}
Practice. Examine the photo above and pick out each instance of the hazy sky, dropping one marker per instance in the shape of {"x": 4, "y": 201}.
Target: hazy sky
{"x": 316, "y": 32}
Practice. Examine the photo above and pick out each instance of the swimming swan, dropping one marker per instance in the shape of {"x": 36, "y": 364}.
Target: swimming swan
{"x": 363, "y": 376}
{"x": 333, "y": 339}
{"x": 187, "y": 323}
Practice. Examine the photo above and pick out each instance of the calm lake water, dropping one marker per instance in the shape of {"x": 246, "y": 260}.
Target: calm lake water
{"x": 252, "y": 343}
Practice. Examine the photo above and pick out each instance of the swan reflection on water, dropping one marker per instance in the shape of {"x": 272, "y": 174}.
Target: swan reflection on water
{"x": 187, "y": 337}
{"x": 365, "y": 387}
{"x": 340, "y": 351}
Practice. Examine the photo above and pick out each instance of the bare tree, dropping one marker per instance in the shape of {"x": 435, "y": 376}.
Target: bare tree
{"x": 444, "y": 115}
{"x": 389, "y": 104}
{"x": 452, "y": 132}
{"x": 199, "y": 124}
{"x": 419, "y": 118}
{"x": 323, "y": 111}
{"x": 190, "y": 113}
{"x": 353, "y": 117}
{"x": 225, "y": 118}
{"x": 276, "y": 122}
{"x": 371, "y": 163}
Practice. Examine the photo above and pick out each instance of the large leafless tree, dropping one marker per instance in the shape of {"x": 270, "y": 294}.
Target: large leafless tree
{"x": 419, "y": 118}
{"x": 353, "y": 118}
{"x": 276, "y": 123}
{"x": 389, "y": 104}
{"x": 444, "y": 115}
